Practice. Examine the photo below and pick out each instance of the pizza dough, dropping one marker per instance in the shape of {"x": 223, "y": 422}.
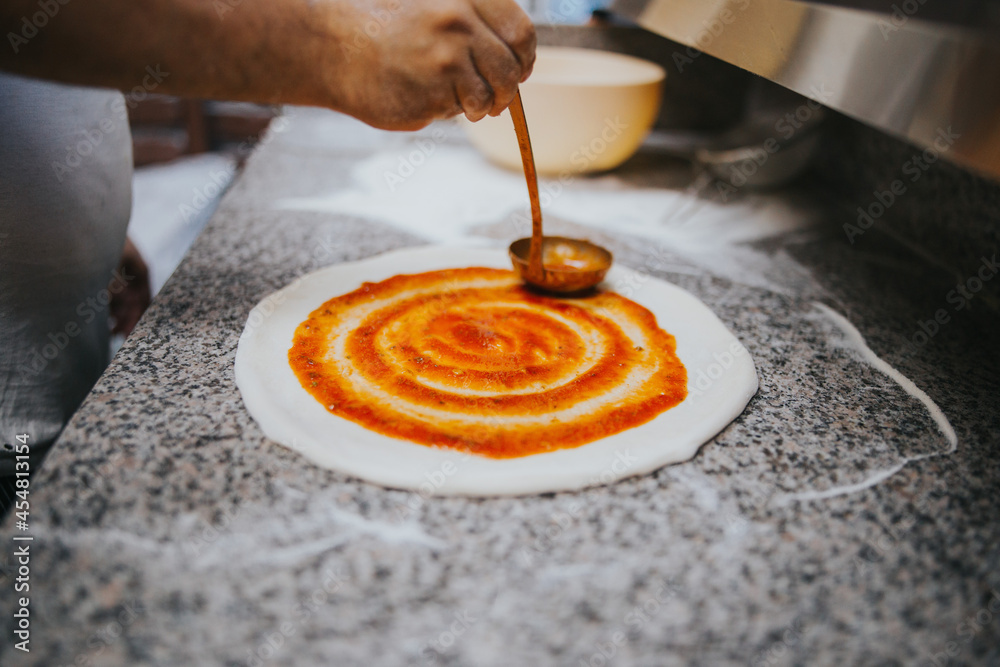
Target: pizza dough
{"x": 473, "y": 360}
{"x": 721, "y": 380}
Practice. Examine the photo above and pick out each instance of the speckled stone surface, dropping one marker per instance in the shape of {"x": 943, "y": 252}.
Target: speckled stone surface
{"x": 169, "y": 531}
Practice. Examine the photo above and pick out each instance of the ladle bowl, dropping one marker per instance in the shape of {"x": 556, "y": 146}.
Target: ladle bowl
{"x": 551, "y": 263}
{"x": 568, "y": 265}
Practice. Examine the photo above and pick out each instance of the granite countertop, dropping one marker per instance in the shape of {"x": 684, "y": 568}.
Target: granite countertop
{"x": 832, "y": 523}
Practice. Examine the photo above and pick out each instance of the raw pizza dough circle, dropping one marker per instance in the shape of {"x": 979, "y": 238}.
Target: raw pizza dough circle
{"x": 721, "y": 381}
{"x": 470, "y": 359}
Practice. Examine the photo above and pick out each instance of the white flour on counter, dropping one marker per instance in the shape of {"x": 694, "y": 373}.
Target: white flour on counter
{"x": 443, "y": 192}
{"x": 853, "y": 340}
{"x": 440, "y": 199}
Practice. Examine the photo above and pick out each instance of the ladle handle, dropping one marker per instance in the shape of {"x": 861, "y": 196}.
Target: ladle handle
{"x": 535, "y": 268}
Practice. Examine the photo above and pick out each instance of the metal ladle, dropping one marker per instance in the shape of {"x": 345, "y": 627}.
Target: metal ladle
{"x": 553, "y": 263}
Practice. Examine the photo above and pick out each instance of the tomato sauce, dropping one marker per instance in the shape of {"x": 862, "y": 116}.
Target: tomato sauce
{"x": 470, "y": 360}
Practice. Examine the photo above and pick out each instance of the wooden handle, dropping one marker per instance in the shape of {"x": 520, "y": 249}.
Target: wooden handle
{"x": 535, "y": 268}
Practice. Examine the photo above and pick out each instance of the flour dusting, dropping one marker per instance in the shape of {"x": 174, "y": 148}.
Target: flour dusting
{"x": 441, "y": 191}
{"x": 855, "y": 341}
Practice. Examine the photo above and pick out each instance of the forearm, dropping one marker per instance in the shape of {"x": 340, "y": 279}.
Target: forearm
{"x": 271, "y": 51}
{"x": 395, "y": 64}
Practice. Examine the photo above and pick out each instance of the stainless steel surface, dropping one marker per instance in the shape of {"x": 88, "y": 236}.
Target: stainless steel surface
{"x": 935, "y": 84}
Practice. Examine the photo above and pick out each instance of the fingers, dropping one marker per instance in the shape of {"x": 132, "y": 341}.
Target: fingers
{"x": 475, "y": 96}
{"x": 127, "y": 307}
{"x": 502, "y": 53}
{"x": 128, "y": 304}
{"x": 498, "y": 67}
{"x": 512, "y": 27}
{"x": 447, "y": 57}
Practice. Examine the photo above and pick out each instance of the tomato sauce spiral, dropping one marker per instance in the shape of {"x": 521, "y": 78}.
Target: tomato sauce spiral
{"x": 471, "y": 360}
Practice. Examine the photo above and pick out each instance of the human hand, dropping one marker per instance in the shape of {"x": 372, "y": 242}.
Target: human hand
{"x": 129, "y": 302}
{"x": 405, "y": 64}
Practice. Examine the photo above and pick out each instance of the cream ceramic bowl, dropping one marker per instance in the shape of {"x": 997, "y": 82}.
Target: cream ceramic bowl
{"x": 587, "y": 111}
